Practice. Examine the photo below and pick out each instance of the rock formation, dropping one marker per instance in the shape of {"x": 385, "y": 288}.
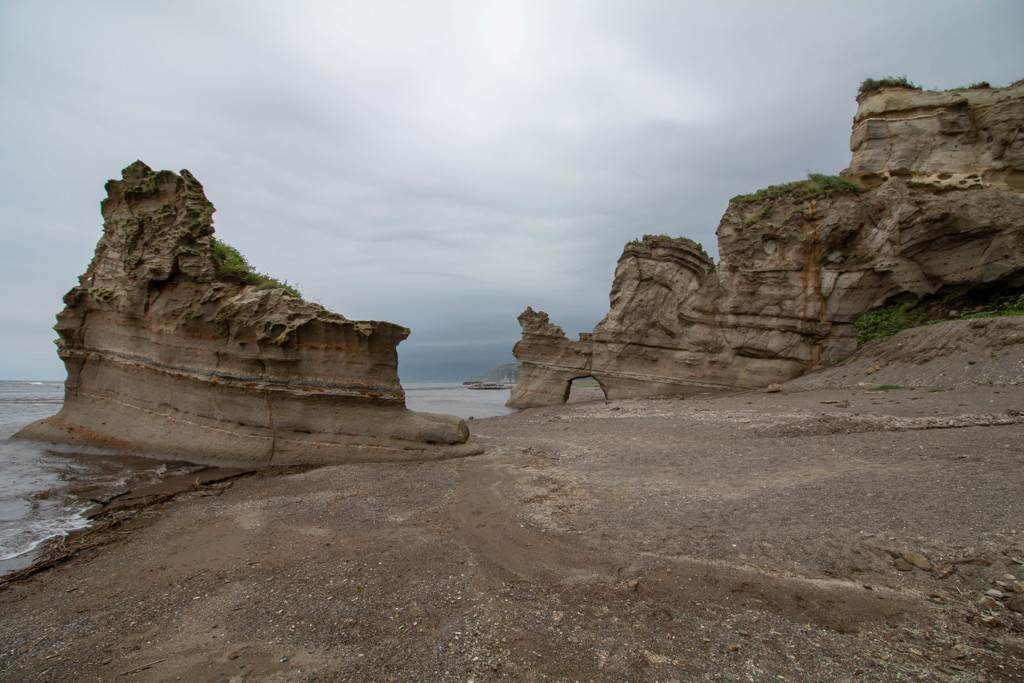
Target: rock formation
{"x": 166, "y": 353}
{"x": 932, "y": 205}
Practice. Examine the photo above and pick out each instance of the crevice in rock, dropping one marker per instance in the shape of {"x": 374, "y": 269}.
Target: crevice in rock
{"x": 273, "y": 429}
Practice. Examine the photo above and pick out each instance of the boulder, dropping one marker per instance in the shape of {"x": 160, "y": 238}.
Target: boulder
{"x": 167, "y": 353}
{"x": 932, "y": 205}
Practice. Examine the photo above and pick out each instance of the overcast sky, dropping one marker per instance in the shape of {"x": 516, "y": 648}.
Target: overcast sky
{"x": 441, "y": 165}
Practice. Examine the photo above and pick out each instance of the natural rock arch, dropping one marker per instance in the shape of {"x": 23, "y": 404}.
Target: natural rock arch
{"x": 569, "y": 387}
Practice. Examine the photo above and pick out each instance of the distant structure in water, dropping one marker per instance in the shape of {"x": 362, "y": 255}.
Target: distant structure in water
{"x": 503, "y": 374}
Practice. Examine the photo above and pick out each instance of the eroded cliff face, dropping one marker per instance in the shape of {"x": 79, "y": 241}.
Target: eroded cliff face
{"x": 941, "y": 212}
{"x": 165, "y": 354}
{"x": 956, "y": 139}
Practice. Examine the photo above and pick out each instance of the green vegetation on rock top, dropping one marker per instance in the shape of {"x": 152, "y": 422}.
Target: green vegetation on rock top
{"x": 871, "y": 85}
{"x": 233, "y": 267}
{"x": 657, "y": 240}
{"x": 817, "y": 184}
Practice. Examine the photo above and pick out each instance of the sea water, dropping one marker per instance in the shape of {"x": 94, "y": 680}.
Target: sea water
{"x": 31, "y": 508}
{"x": 45, "y": 488}
{"x": 456, "y": 399}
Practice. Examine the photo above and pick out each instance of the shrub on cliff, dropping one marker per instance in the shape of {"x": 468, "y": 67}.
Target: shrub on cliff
{"x": 871, "y": 85}
{"x": 817, "y": 184}
{"x": 233, "y": 267}
{"x": 887, "y": 321}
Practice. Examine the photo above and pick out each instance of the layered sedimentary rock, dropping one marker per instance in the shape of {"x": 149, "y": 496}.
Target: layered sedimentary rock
{"x": 167, "y": 354}
{"x": 958, "y": 139}
{"x": 940, "y": 211}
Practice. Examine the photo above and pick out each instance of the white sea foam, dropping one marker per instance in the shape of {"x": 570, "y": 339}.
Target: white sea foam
{"x": 27, "y": 537}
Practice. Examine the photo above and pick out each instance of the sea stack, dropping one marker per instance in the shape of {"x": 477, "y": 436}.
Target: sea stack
{"x": 169, "y": 353}
{"x": 932, "y": 205}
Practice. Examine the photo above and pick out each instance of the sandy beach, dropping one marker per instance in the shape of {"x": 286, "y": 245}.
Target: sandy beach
{"x": 820, "y": 533}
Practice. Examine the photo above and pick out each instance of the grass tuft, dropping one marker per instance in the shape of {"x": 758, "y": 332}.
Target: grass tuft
{"x": 233, "y": 267}
{"x": 766, "y": 212}
{"x": 817, "y": 184}
{"x": 871, "y": 85}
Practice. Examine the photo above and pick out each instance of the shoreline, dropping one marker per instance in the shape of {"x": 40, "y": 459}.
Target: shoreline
{"x": 132, "y": 466}
{"x": 646, "y": 539}
{"x": 117, "y": 510}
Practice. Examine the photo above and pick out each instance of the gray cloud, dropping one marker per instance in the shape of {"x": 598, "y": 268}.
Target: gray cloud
{"x": 442, "y": 164}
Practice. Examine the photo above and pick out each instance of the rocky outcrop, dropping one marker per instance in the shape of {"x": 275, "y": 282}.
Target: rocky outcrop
{"x": 932, "y": 205}
{"x": 167, "y": 353}
{"x": 957, "y": 139}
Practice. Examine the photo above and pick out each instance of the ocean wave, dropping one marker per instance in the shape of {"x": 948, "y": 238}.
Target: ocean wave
{"x": 23, "y": 539}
